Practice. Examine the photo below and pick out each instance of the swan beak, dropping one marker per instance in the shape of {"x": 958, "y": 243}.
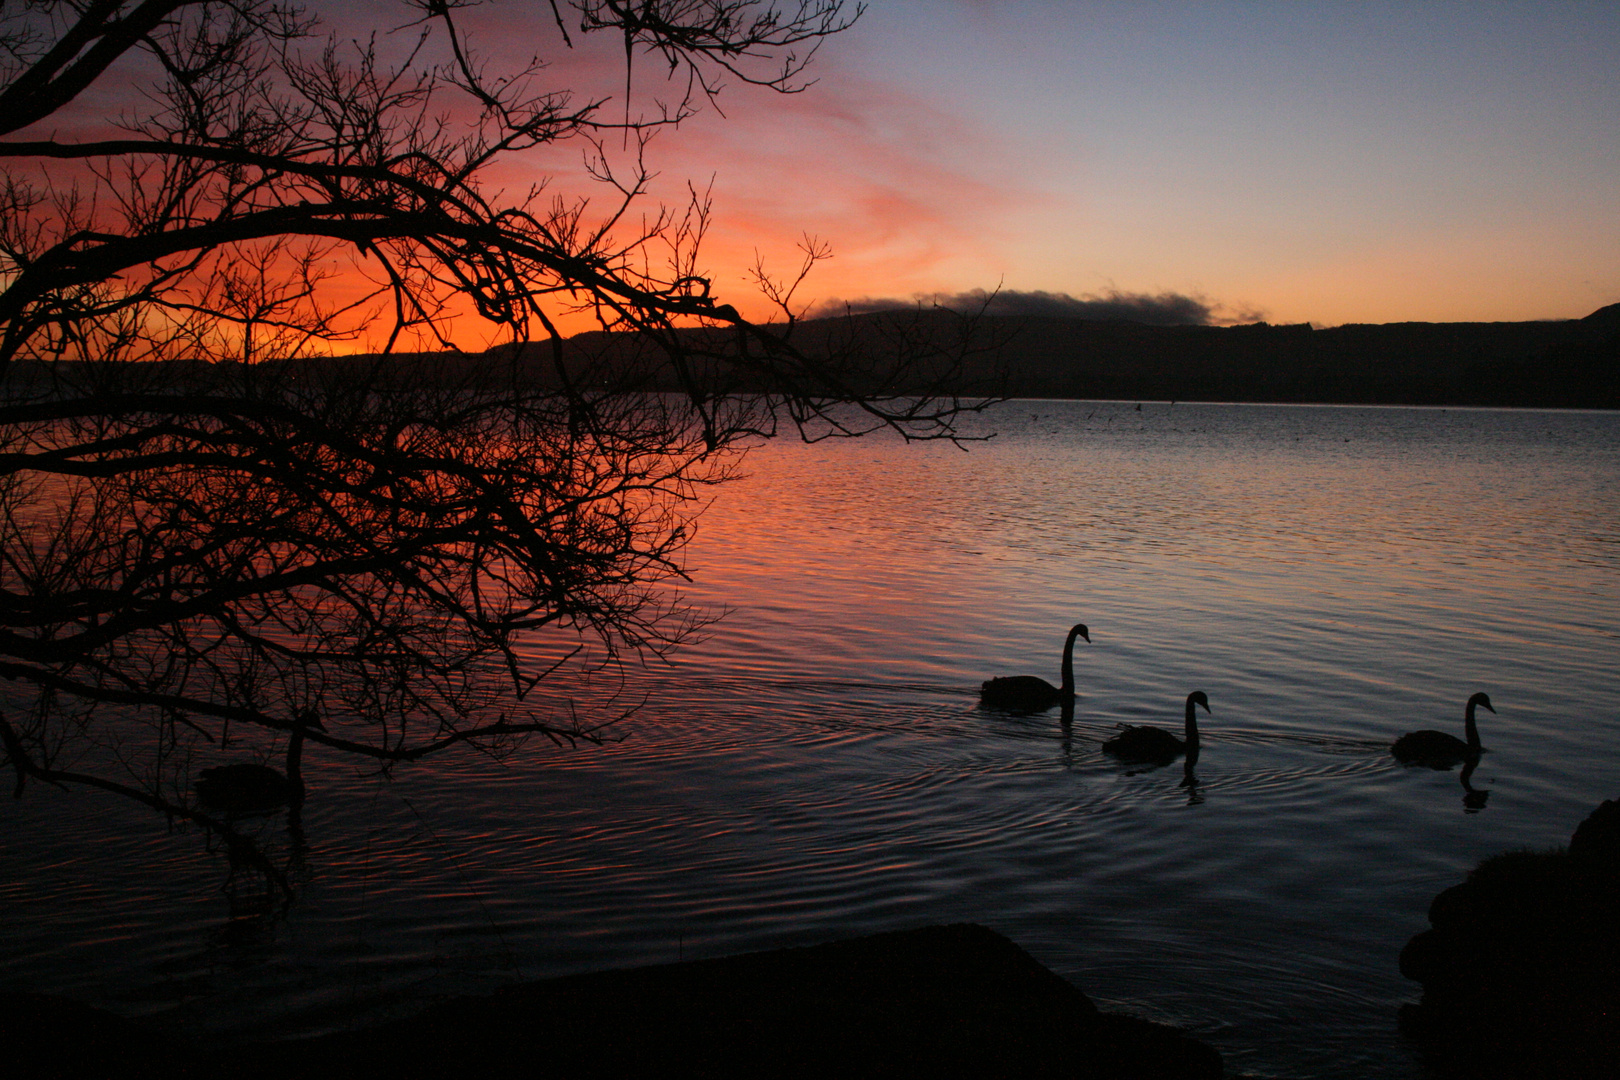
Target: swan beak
{"x": 1487, "y": 706}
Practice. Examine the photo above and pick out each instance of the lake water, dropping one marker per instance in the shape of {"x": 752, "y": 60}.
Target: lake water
{"x": 819, "y": 767}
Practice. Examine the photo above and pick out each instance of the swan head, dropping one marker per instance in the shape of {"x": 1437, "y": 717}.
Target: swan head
{"x": 1480, "y": 699}
{"x": 1080, "y": 629}
{"x": 1197, "y": 697}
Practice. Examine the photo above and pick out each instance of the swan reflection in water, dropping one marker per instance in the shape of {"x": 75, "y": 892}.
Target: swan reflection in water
{"x": 1473, "y": 797}
{"x": 267, "y": 871}
{"x": 1031, "y": 694}
{"x": 1189, "y": 780}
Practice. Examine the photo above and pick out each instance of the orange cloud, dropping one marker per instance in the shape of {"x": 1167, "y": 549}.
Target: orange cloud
{"x": 899, "y": 189}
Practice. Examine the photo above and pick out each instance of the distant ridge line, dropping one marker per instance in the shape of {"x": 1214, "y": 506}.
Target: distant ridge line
{"x": 1570, "y": 363}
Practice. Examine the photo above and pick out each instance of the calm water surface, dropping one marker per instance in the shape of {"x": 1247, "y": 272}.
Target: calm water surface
{"x": 819, "y": 766}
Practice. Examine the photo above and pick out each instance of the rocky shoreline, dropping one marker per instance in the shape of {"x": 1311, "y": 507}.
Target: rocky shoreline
{"x": 1521, "y": 965}
{"x": 955, "y": 1000}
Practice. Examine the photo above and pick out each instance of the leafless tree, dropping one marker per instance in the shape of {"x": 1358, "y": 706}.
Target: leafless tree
{"x": 216, "y": 520}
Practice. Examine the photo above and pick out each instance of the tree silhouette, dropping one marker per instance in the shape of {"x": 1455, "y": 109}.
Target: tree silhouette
{"x": 218, "y": 519}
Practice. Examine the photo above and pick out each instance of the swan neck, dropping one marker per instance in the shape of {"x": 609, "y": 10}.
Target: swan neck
{"x": 295, "y": 757}
{"x": 1192, "y": 726}
{"x": 1471, "y": 728}
{"x": 1067, "y": 689}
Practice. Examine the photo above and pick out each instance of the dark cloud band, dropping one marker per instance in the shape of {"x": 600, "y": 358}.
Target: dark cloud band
{"x": 1160, "y": 309}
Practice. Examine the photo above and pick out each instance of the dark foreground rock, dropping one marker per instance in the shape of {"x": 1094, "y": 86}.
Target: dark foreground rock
{"x": 942, "y": 1001}
{"x": 1521, "y": 966}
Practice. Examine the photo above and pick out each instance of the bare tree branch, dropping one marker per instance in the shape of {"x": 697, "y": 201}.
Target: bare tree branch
{"x": 212, "y": 522}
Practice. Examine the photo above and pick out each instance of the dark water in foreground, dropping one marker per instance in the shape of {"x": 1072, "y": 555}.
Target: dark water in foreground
{"x": 819, "y": 767}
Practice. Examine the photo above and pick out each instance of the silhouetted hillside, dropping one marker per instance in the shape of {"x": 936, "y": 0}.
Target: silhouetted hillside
{"x": 1567, "y": 364}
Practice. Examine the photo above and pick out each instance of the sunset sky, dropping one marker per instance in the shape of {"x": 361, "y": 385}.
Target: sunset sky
{"x": 1286, "y": 160}
{"x": 1293, "y": 161}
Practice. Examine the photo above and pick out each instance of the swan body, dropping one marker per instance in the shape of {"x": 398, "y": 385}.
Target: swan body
{"x": 1438, "y": 750}
{"x": 1027, "y": 693}
{"x": 1151, "y": 744}
{"x": 248, "y": 788}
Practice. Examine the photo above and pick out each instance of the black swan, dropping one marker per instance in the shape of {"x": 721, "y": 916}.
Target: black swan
{"x": 1150, "y": 744}
{"x": 248, "y": 788}
{"x": 1026, "y": 693}
{"x": 1438, "y": 750}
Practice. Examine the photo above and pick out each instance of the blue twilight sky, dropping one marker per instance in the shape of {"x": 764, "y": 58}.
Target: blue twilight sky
{"x": 1299, "y": 161}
